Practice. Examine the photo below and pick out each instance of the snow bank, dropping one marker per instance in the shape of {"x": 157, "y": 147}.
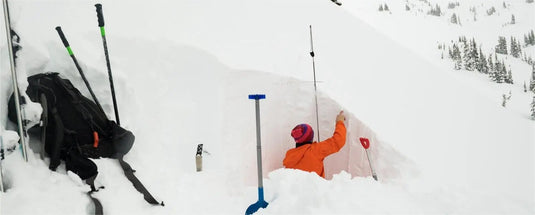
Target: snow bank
{"x": 183, "y": 71}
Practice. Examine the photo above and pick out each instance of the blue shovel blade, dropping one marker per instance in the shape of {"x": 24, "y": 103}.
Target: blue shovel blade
{"x": 254, "y": 207}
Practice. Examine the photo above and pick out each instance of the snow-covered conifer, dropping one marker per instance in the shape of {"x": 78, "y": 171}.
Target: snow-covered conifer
{"x": 533, "y": 109}
{"x": 513, "y": 20}
{"x": 482, "y": 64}
{"x": 453, "y": 19}
{"x": 501, "y": 48}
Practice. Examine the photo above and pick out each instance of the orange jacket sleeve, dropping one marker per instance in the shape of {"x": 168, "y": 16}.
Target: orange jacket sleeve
{"x": 333, "y": 144}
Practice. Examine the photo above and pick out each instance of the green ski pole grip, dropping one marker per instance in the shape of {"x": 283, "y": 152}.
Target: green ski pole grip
{"x": 62, "y": 36}
{"x": 99, "y": 15}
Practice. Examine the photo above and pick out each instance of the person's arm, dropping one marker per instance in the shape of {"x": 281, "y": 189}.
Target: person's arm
{"x": 334, "y": 143}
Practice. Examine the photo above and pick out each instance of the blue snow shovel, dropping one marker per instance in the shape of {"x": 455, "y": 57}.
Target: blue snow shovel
{"x": 261, "y": 203}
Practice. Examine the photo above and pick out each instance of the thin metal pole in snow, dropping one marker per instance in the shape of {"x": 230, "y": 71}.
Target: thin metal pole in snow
{"x": 69, "y": 50}
{"x": 258, "y": 144}
{"x": 100, "y": 17}
{"x": 374, "y": 175}
{"x": 366, "y": 144}
{"x": 16, "y": 92}
{"x": 315, "y": 87}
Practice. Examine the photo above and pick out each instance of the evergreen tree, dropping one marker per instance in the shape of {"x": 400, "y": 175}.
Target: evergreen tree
{"x": 525, "y": 87}
{"x": 467, "y": 57}
{"x": 482, "y": 65}
{"x": 407, "y": 8}
{"x": 501, "y": 48}
{"x": 532, "y": 81}
{"x": 474, "y": 55}
{"x": 531, "y": 38}
{"x": 381, "y": 8}
{"x": 513, "y": 21}
{"x": 456, "y": 56}
{"x": 509, "y": 77}
{"x": 436, "y": 11}
{"x": 493, "y": 75}
{"x": 498, "y": 73}
{"x": 533, "y": 109}
{"x": 452, "y": 5}
{"x": 386, "y": 7}
{"x": 502, "y": 73}
{"x": 491, "y": 64}
{"x": 515, "y": 51}
{"x": 453, "y": 19}
{"x": 491, "y": 11}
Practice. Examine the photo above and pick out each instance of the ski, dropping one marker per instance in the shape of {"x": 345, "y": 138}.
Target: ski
{"x": 198, "y": 157}
{"x": 43, "y": 124}
{"x": 18, "y": 99}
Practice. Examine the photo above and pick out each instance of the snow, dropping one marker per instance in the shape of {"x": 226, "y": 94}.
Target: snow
{"x": 441, "y": 142}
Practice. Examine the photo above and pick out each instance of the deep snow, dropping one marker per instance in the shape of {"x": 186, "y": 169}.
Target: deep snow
{"x": 441, "y": 142}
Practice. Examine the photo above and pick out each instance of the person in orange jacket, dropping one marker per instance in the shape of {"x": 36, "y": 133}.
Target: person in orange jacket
{"x": 307, "y": 155}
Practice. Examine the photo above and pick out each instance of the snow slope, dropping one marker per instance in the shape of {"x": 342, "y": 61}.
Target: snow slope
{"x": 183, "y": 71}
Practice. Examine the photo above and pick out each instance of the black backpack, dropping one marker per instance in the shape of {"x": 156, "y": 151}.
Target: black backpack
{"x": 75, "y": 127}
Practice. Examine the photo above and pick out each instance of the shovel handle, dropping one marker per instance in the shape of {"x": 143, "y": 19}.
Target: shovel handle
{"x": 365, "y": 142}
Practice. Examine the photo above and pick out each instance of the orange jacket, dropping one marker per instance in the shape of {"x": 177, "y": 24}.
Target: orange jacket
{"x": 310, "y": 157}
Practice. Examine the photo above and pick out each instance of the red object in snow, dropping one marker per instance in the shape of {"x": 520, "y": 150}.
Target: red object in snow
{"x": 95, "y": 139}
{"x": 365, "y": 142}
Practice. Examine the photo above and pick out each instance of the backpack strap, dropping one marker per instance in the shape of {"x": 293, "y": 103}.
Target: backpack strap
{"x": 98, "y": 206}
{"x": 55, "y": 147}
{"x": 129, "y": 172}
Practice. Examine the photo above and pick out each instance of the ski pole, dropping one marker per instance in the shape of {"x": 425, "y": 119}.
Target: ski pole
{"x": 261, "y": 203}
{"x": 366, "y": 144}
{"x": 66, "y": 44}
{"x": 108, "y": 64}
{"x": 337, "y": 2}
{"x": 21, "y": 124}
{"x": 315, "y": 88}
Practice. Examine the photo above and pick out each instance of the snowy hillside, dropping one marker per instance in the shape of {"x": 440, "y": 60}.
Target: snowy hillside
{"x": 441, "y": 141}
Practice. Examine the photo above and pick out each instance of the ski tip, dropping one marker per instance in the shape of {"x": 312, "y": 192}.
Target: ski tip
{"x": 257, "y": 96}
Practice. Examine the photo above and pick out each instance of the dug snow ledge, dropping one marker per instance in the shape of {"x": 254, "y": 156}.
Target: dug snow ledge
{"x": 172, "y": 102}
